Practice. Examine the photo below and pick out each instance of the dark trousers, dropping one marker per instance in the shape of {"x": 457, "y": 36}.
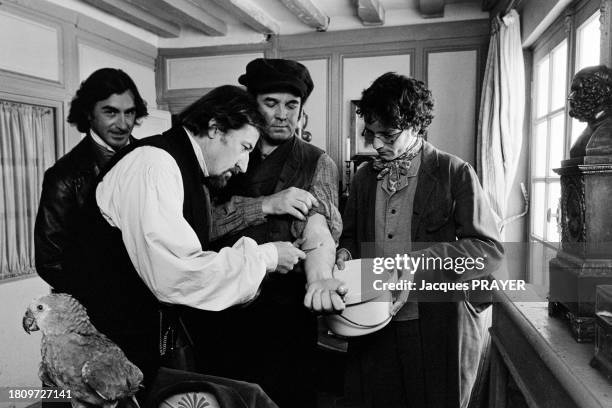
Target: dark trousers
{"x": 264, "y": 343}
{"x": 385, "y": 369}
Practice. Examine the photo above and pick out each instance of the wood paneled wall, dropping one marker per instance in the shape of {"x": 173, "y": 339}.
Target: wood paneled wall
{"x": 46, "y": 50}
{"x": 449, "y": 57}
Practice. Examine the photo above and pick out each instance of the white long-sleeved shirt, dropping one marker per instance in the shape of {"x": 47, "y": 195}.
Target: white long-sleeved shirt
{"x": 142, "y": 195}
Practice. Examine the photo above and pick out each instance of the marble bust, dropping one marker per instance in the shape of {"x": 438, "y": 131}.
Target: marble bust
{"x": 590, "y": 101}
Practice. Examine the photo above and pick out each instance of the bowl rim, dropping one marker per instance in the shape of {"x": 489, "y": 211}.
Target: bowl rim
{"x": 366, "y": 326}
{"x": 351, "y": 298}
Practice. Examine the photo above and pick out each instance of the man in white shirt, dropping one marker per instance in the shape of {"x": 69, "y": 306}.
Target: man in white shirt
{"x": 151, "y": 225}
{"x": 105, "y": 108}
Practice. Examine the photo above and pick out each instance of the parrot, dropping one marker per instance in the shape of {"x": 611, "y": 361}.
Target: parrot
{"x": 77, "y": 357}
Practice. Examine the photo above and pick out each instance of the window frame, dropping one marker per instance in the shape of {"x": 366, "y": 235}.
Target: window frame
{"x": 565, "y": 27}
{"x": 58, "y": 114}
{"x": 546, "y": 52}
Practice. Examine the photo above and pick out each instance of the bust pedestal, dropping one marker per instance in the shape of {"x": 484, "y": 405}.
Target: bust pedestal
{"x": 584, "y": 259}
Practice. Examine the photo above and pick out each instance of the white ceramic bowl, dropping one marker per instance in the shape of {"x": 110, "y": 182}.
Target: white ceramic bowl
{"x": 367, "y": 309}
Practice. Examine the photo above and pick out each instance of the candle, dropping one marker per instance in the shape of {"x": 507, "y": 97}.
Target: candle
{"x": 348, "y": 149}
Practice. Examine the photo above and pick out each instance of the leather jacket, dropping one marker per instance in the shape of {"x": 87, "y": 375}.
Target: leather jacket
{"x": 66, "y": 187}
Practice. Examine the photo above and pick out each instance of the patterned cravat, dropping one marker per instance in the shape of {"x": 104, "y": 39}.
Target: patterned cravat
{"x": 394, "y": 169}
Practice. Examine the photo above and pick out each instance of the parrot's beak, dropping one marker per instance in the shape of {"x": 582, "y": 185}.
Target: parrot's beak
{"x": 29, "y": 323}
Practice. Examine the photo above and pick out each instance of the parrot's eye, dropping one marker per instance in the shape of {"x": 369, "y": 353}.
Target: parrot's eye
{"x": 39, "y": 307}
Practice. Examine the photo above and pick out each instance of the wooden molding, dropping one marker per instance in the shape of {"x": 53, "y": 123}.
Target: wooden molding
{"x": 72, "y": 23}
{"x": 55, "y": 103}
{"x": 42, "y": 9}
{"x": 379, "y": 35}
{"x": 431, "y": 8}
{"x": 212, "y": 50}
{"x": 127, "y": 46}
{"x": 308, "y": 13}
{"x": 251, "y": 15}
{"x": 184, "y": 12}
{"x": 180, "y": 99}
{"x": 53, "y": 22}
{"x": 371, "y": 12}
{"x": 138, "y": 17}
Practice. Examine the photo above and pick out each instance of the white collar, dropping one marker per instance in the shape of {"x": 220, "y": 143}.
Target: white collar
{"x": 101, "y": 142}
{"x": 197, "y": 150}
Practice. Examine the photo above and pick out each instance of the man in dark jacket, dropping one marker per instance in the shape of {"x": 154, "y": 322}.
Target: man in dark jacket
{"x": 106, "y": 108}
{"x": 416, "y": 200}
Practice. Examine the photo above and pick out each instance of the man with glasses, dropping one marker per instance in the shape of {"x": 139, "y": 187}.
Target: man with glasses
{"x": 416, "y": 200}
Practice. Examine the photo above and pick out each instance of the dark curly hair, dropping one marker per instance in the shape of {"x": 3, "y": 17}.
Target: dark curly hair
{"x": 398, "y": 102}
{"x": 591, "y": 92}
{"x": 97, "y": 87}
{"x": 230, "y": 106}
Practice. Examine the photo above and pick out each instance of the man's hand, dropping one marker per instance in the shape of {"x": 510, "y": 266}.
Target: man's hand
{"x": 401, "y": 299}
{"x": 399, "y": 302}
{"x": 288, "y": 256}
{"x": 342, "y": 255}
{"x": 325, "y": 295}
{"x": 293, "y": 201}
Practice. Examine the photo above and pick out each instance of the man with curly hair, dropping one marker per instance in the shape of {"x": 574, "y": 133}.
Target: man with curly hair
{"x": 416, "y": 200}
{"x": 105, "y": 108}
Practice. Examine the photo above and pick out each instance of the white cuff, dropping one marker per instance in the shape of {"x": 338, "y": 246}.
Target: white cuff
{"x": 269, "y": 254}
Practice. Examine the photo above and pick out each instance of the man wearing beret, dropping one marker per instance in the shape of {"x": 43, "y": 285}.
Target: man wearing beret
{"x": 289, "y": 192}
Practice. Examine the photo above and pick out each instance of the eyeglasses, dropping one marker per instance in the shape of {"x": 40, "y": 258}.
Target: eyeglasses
{"x": 387, "y": 139}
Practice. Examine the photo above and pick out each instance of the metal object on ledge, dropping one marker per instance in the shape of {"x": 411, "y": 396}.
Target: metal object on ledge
{"x": 603, "y": 340}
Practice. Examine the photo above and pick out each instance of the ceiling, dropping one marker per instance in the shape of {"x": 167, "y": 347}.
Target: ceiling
{"x": 183, "y": 23}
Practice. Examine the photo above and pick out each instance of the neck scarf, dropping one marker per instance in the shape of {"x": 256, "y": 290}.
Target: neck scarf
{"x": 394, "y": 169}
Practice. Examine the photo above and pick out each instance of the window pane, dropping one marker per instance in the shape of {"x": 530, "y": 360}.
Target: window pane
{"x": 559, "y": 67}
{"x": 538, "y": 209}
{"x": 542, "y": 87}
{"x": 577, "y": 129}
{"x": 556, "y": 142}
{"x": 587, "y": 44}
{"x": 539, "y": 150}
{"x": 536, "y": 262}
{"x": 554, "y": 193}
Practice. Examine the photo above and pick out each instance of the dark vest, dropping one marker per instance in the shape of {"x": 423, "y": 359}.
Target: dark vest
{"x": 117, "y": 300}
{"x": 291, "y": 164}
{"x": 272, "y": 340}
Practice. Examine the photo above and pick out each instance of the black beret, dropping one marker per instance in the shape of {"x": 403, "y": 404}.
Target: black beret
{"x": 273, "y": 75}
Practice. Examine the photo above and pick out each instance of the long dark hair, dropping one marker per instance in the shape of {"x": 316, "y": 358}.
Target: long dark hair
{"x": 97, "y": 87}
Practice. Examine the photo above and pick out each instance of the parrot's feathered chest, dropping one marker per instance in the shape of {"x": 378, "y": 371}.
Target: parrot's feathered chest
{"x": 93, "y": 368}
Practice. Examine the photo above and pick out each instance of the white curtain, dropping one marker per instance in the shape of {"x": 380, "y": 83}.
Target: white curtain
{"x": 502, "y": 107}
{"x": 27, "y": 148}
